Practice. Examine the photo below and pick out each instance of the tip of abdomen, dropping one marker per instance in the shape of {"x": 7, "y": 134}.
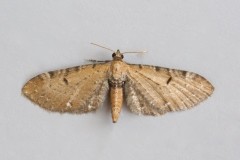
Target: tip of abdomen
{"x": 115, "y": 114}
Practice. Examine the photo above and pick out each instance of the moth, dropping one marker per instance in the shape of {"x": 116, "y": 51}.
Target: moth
{"x": 148, "y": 90}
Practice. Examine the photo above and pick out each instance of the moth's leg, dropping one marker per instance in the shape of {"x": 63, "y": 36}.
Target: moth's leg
{"x": 97, "y": 61}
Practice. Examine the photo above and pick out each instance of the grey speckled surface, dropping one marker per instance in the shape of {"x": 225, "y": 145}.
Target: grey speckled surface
{"x": 201, "y": 36}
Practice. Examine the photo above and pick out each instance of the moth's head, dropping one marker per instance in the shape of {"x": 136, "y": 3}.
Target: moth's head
{"x": 117, "y": 55}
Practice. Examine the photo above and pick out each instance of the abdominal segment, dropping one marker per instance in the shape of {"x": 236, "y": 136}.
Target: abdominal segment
{"x": 116, "y": 96}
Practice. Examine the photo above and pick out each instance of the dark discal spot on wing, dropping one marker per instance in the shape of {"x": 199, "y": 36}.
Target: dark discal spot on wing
{"x": 65, "y": 81}
{"x": 169, "y": 80}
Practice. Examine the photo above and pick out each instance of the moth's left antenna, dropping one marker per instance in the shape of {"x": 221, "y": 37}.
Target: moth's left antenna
{"x": 102, "y": 47}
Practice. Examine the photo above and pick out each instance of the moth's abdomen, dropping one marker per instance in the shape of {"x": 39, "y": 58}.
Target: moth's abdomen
{"x": 116, "y": 96}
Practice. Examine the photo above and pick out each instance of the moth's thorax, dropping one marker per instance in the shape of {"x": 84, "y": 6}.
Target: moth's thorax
{"x": 118, "y": 70}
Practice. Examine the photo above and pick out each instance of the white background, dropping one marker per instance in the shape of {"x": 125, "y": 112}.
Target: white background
{"x": 42, "y": 35}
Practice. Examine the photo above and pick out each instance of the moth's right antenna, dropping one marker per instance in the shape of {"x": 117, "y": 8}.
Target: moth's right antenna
{"x": 102, "y": 47}
{"x": 141, "y": 52}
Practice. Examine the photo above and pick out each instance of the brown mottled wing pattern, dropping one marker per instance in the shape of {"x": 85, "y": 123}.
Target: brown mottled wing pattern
{"x": 76, "y": 90}
{"x": 151, "y": 90}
